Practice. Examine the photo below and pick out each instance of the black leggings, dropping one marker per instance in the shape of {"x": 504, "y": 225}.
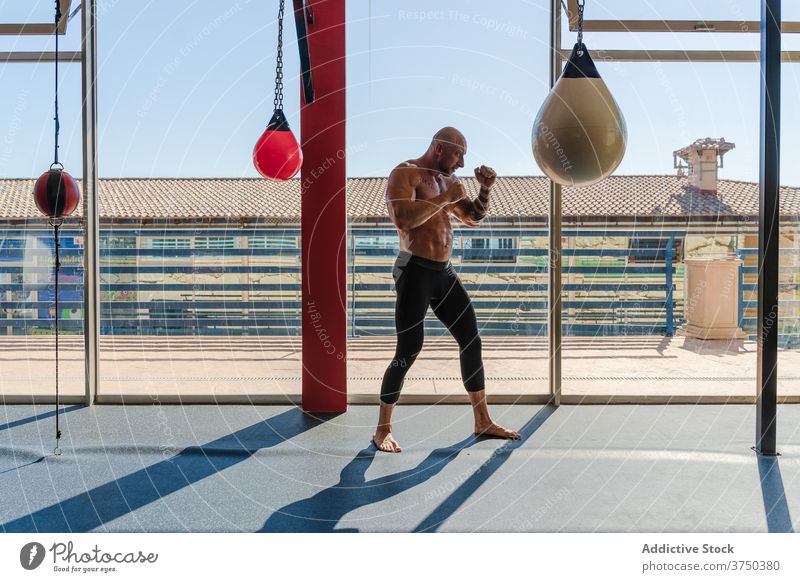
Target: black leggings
{"x": 421, "y": 282}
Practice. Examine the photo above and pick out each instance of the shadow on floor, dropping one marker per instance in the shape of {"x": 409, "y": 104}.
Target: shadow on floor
{"x": 716, "y": 347}
{"x": 778, "y": 518}
{"x": 18, "y": 467}
{"x": 457, "y": 498}
{"x": 35, "y": 417}
{"x": 90, "y": 510}
{"x": 323, "y": 511}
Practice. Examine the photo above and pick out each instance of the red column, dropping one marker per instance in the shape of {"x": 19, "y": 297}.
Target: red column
{"x": 324, "y": 216}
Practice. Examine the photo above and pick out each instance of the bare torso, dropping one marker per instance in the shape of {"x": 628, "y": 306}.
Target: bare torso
{"x": 433, "y": 239}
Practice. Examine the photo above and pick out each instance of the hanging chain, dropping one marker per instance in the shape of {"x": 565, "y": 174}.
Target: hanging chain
{"x": 56, "y": 223}
{"x": 279, "y": 66}
{"x": 580, "y": 26}
{"x": 55, "y": 32}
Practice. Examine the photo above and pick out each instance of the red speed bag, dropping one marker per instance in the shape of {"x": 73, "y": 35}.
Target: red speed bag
{"x": 56, "y": 194}
{"x": 277, "y": 155}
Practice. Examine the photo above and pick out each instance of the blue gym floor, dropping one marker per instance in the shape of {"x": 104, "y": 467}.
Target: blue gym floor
{"x": 202, "y": 468}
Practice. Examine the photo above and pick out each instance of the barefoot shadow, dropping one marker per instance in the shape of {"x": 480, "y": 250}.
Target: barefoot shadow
{"x": 457, "y": 498}
{"x": 323, "y": 511}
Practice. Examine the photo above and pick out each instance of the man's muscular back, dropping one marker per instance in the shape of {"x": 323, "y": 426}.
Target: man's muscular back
{"x": 420, "y": 203}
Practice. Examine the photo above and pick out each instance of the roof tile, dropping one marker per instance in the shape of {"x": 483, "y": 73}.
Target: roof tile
{"x": 193, "y": 198}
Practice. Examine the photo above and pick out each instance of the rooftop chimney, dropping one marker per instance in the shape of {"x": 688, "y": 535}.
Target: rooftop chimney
{"x": 703, "y": 158}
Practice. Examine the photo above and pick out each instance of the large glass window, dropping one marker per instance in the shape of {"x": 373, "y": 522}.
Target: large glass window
{"x": 656, "y": 301}
{"x": 200, "y": 278}
{"x": 789, "y": 277}
{"x": 402, "y": 87}
{"x": 200, "y": 269}
{"x": 27, "y": 282}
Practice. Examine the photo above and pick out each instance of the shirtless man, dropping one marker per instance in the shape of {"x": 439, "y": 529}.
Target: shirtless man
{"x": 421, "y": 196}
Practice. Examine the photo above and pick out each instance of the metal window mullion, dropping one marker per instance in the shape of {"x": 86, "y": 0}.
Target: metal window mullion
{"x": 768, "y": 228}
{"x": 682, "y": 56}
{"x": 7, "y": 57}
{"x": 91, "y": 256}
{"x": 38, "y": 28}
{"x": 554, "y": 231}
{"x": 679, "y": 26}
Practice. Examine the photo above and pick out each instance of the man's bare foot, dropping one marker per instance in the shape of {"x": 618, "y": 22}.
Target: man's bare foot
{"x": 385, "y": 442}
{"x": 491, "y": 429}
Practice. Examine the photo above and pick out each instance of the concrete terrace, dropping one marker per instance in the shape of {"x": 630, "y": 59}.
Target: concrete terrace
{"x": 268, "y": 369}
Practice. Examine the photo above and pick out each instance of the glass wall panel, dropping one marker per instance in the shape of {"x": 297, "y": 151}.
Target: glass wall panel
{"x": 658, "y": 267}
{"x": 789, "y": 280}
{"x": 412, "y": 69}
{"x": 27, "y": 282}
{"x": 200, "y": 256}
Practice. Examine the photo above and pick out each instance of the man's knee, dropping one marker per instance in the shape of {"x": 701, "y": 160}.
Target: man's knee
{"x": 390, "y": 397}
{"x": 409, "y": 345}
{"x": 405, "y": 360}
{"x": 470, "y": 343}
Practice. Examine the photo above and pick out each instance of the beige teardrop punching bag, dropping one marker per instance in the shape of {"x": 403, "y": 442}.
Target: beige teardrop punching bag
{"x": 579, "y": 134}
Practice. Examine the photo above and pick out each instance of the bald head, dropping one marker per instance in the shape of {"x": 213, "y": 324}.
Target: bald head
{"x": 449, "y": 136}
{"x": 447, "y": 149}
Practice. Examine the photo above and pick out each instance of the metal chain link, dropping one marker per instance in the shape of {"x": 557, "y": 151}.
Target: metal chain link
{"x": 580, "y": 26}
{"x": 279, "y": 66}
{"x": 57, "y": 127}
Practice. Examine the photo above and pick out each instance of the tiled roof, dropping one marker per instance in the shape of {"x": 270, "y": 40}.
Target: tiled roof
{"x": 198, "y": 198}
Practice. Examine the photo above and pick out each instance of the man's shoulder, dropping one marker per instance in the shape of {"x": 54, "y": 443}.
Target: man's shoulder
{"x": 406, "y": 171}
{"x": 407, "y": 167}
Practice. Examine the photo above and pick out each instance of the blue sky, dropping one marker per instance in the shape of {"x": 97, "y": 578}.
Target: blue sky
{"x": 186, "y": 86}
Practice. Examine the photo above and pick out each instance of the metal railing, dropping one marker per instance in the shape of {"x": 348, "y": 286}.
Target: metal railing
{"x": 244, "y": 290}
{"x": 249, "y": 288}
